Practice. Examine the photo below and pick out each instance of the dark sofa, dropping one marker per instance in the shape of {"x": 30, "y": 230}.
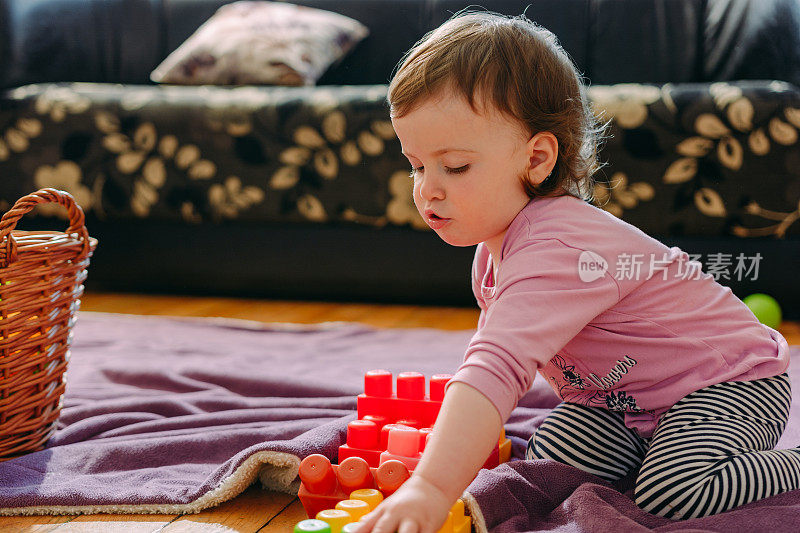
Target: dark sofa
{"x": 301, "y": 192}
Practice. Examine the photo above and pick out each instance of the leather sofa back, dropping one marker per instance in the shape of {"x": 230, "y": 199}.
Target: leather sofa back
{"x": 611, "y": 41}
{"x": 116, "y": 41}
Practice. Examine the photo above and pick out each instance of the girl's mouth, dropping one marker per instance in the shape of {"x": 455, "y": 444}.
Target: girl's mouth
{"x": 435, "y": 221}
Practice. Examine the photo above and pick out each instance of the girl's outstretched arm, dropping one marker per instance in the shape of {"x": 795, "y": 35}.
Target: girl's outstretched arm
{"x": 466, "y": 430}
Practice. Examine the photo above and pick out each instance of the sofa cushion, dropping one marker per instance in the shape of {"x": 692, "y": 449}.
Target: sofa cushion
{"x": 683, "y": 159}
{"x": 394, "y": 26}
{"x": 261, "y": 43}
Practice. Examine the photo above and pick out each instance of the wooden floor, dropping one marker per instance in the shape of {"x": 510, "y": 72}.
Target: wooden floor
{"x": 255, "y": 509}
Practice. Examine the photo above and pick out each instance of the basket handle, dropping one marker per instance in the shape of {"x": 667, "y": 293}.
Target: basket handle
{"x": 8, "y": 248}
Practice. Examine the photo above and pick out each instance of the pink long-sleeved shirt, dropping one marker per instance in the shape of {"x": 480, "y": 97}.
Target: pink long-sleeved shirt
{"x": 570, "y": 302}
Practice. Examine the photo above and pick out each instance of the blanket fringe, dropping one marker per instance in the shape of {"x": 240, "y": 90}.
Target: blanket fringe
{"x": 276, "y": 470}
{"x": 478, "y": 521}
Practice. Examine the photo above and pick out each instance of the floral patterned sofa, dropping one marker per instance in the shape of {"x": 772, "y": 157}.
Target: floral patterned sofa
{"x": 302, "y": 192}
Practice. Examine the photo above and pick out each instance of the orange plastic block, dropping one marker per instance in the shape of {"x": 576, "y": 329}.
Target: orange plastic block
{"x": 323, "y": 485}
{"x": 504, "y": 450}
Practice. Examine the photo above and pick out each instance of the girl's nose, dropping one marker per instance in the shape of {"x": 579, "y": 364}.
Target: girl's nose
{"x": 430, "y": 188}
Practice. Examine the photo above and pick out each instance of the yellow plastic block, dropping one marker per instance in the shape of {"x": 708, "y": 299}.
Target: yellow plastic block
{"x": 447, "y": 527}
{"x": 456, "y": 521}
{"x": 372, "y": 496}
{"x": 355, "y": 508}
{"x": 461, "y": 522}
{"x": 336, "y": 518}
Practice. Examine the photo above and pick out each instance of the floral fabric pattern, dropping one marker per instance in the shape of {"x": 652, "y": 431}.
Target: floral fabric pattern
{"x": 690, "y": 159}
{"x": 715, "y": 159}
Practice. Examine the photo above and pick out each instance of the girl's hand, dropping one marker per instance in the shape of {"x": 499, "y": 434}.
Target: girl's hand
{"x": 417, "y": 507}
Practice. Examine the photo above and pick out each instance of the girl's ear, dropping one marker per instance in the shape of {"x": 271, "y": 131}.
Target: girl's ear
{"x": 542, "y": 151}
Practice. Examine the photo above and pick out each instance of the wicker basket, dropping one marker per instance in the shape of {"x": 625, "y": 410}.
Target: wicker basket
{"x": 41, "y": 280}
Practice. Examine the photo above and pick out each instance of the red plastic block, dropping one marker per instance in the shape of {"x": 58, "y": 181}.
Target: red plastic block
{"x": 362, "y": 434}
{"x": 379, "y": 420}
{"x": 410, "y": 404}
{"x": 404, "y": 446}
{"x": 385, "y": 430}
{"x": 366, "y": 440}
{"x": 323, "y": 485}
{"x": 380, "y": 410}
{"x": 372, "y": 457}
{"x": 378, "y": 383}
{"x": 424, "y": 435}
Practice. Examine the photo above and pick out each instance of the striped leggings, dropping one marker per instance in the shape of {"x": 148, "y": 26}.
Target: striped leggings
{"x": 711, "y": 452}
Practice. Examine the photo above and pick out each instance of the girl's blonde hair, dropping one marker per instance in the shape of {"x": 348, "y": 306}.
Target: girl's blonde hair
{"x": 518, "y": 67}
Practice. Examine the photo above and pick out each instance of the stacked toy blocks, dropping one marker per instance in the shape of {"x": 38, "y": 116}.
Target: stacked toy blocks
{"x": 383, "y": 447}
{"x": 382, "y": 412}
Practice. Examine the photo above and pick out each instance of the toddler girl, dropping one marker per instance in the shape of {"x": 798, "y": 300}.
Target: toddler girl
{"x": 660, "y": 369}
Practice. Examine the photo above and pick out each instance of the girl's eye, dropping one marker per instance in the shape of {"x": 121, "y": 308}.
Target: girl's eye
{"x": 459, "y": 170}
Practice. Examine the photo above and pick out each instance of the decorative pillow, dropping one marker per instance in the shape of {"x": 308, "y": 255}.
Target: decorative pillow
{"x": 260, "y": 42}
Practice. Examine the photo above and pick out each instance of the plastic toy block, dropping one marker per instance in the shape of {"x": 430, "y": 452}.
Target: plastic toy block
{"x": 372, "y": 497}
{"x": 456, "y": 521}
{"x": 505, "y": 450}
{"x": 312, "y": 526}
{"x": 390, "y": 475}
{"x": 378, "y": 419}
{"x": 335, "y": 518}
{"x": 323, "y": 485}
{"x": 341, "y": 521}
{"x": 355, "y": 508}
{"x": 367, "y": 440}
{"x": 501, "y": 453}
{"x": 404, "y": 445}
{"x": 409, "y": 404}
{"x": 379, "y": 411}
{"x": 423, "y": 438}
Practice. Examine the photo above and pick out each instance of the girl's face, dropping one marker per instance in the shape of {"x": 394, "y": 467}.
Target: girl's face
{"x": 466, "y": 169}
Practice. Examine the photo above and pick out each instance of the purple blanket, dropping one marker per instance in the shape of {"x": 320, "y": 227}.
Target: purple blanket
{"x": 176, "y": 415}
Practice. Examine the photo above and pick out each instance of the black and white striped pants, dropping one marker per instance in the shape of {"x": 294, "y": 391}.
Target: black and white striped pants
{"x": 711, "y": 452}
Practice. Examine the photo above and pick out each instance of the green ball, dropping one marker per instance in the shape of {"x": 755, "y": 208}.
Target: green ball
{"x": 312, "y": 525}
{"x": 766, "y": 309}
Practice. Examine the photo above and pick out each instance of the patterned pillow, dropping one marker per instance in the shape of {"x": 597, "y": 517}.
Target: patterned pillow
{"x": 261, "y": 42}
